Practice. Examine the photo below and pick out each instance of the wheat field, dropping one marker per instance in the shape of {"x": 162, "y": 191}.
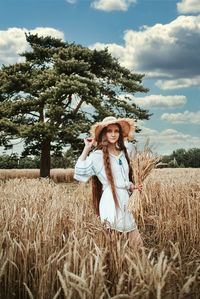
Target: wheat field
{"x": 53, "y": 246}
{"x": 58, "y": 175}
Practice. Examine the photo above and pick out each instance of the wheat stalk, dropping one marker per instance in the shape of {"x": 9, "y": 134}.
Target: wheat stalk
{"x": 142, "y": 162}
{"x": 54, "y": 246}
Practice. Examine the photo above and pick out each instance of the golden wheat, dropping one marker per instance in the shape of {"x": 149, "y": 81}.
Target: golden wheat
{"x": 142, "y": 162}
{"x": 58, "y": 175}
{"x": 54, "y": 246}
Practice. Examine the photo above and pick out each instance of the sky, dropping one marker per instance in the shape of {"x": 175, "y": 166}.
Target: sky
{"x": 158, "y": 38}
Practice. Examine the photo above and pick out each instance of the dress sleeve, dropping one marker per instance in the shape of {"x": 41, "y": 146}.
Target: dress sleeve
{"x": 84, "y": 169}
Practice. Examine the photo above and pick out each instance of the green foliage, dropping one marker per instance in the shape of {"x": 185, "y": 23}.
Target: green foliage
{"x": 70, "y": 157}
{"x": 15, "y": 161}
{"x": 59, "y": 91}
{"x": 183, "y": 158}
{"x": 59, "y": 162}
{"x": 64, "y": 160}
{"x": 29, "y": 162}
{"x": 9, "y": 162}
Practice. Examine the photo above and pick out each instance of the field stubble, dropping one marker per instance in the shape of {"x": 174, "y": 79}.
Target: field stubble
{"x": 53, "y": 246}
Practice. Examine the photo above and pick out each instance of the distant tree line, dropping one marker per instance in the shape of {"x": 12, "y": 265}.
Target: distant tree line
{"x": 15, "y": 161}
{"x": 183, "y": 158}
{"x": 178, "y": 158}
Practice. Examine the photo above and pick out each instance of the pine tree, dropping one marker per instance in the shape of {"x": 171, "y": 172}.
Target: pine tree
{"x": 58, "y": 92}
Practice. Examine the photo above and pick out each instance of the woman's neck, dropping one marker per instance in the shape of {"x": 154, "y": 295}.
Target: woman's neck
{"x": 112, "y": 148}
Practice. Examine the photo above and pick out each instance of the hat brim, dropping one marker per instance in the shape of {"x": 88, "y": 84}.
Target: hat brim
{"x": 127, "y": 125}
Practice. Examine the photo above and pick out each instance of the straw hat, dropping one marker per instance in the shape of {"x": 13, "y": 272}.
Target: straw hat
{"x": 127, "y": 125}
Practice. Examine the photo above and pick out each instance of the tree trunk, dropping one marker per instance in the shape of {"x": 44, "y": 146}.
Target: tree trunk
{"x": 45, "y": 160}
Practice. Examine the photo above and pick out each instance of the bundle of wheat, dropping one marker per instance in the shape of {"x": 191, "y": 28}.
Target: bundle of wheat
{"x": 142, "y": 162}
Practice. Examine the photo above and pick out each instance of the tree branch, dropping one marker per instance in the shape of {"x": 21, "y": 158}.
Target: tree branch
{"x": 69, "y": 100}
{"x": 33, "y": 114}
{"x": 78, "y": 106}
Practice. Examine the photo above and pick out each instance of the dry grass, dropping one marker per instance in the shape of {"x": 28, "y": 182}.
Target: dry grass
{"x": 58, "y": 175}
{"x": 53, "y": 246}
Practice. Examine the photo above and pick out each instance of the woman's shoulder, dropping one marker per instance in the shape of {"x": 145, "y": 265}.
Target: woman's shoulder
{"x": 97, "y": 160}
{"x": 96, "y": 155}
{"x": 97, "y": 152}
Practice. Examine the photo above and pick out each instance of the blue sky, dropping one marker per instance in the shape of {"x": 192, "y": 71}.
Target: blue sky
{"x": 160, "y": 38}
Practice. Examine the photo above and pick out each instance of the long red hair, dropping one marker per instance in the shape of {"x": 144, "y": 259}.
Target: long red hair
{"x": 102, "y": 144}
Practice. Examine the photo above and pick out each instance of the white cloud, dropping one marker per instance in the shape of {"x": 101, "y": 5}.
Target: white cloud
{"x": 159, "y": 100}
{"x": 13, "y": 42}
{"x": 185, "y": 117}
{"x": 188, "y": 6}
{"x": 168, "y": 52}
{"x": 116, "y": 50}
{"x": 164, "y": 142}
{"x": 110, "y": 5}
{"x": 47, "y": 31}
{"x": 178, "y": 83}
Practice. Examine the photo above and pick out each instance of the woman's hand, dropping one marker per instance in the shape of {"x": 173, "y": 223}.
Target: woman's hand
{"x": 139, "y": 187}
{"x": 133, "y": 187}
{"x": 89, "y": 141}
{"x": 88, "y": 146}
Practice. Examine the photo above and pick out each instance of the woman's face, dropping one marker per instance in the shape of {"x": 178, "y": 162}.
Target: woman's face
{"x": 112, "y": 134}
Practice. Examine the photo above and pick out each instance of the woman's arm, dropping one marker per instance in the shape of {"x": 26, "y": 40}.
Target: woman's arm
{"x": 84, "y": 168}
{"x": 88, "y": 146}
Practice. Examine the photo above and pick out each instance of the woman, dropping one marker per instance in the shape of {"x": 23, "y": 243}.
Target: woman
{"x": 111, "y": 172}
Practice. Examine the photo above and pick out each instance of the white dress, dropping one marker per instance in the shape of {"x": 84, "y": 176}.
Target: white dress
{"x": 120, "y": 219}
